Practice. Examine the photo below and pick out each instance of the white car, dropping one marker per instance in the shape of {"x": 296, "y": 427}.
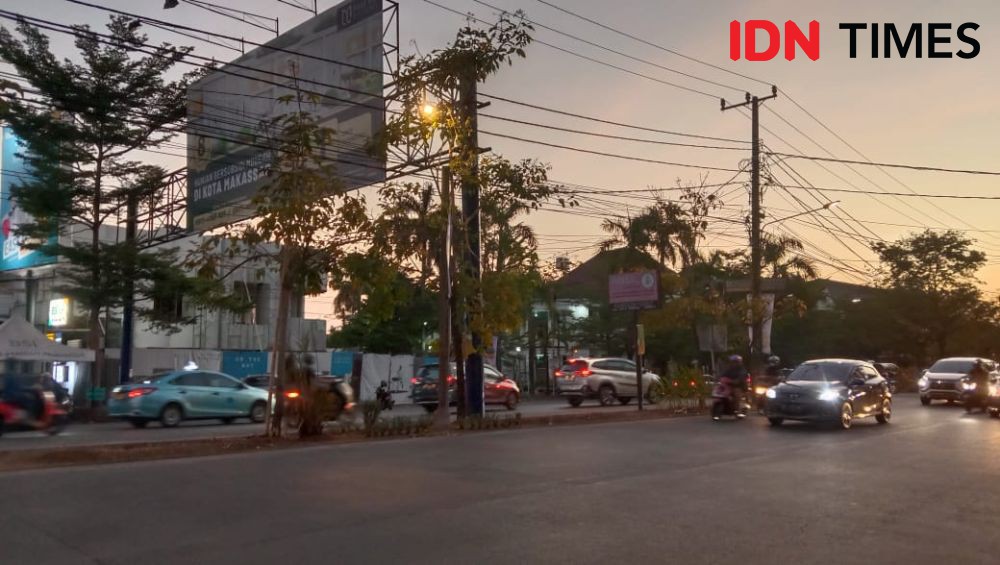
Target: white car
{"x": 608, "y": 379}
{"x": 943, "y": 381}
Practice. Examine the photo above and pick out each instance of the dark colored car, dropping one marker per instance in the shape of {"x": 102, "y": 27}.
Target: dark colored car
{"x": 497, "y": 389}
{"x": 837, "y": 391}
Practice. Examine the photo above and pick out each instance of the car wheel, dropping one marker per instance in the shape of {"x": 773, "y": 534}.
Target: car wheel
{"x": 925, "y": 401}
{"x": 968, "y": 407}
{"x": 258, "y": 412}
{"x": 171, "y": 415}
{"x": 511, "y": 401}
{"x": 885, "y": 415}
{"x": 227, "y": 421}
{"x": 575, "y": 401}
{"x": 138, "y": 422}
{"x": 994, "y": 413}
{"x": 430, "y": 408}
{"x": 606, "y": 395}
{"x": 625, "y": 400}
{"x": 776, "y": 421}
{"x": 57, "y": 425}
{"x": 1, "y": 427}
{"x": 846, "y": 416}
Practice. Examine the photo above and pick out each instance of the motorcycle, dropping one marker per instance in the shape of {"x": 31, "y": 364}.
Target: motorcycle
{"x": 384, "y": 397}
{"x": 340, "y": 391}
{"x": 727, "y": 401}
{"x": 972, "y": 398}
{"x": 30, "y": 409}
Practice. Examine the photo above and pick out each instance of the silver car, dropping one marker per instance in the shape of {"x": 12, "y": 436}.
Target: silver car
{"x": 608, "y": 379}
{"x": 943, "y": 381}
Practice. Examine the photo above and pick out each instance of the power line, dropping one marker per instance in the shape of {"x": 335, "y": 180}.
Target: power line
{"x": 889, "y": 165}
{"x": 604, "y": 154}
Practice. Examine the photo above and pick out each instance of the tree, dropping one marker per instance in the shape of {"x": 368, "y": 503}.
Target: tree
{"x": 80, "y": 127}
{"x": 305, "y": 219}
{"x": 932, "y": 279}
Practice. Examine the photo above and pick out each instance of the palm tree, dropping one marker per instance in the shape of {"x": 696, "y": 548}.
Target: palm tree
{"x": 781, "y": 257}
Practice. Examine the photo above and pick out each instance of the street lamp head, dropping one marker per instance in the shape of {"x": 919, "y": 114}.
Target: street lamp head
{"x": 831, "y": 205}
{"x": 167, "y": 4}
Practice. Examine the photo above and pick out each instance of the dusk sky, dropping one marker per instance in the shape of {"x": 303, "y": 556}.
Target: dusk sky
{"x": 929, "y": 112}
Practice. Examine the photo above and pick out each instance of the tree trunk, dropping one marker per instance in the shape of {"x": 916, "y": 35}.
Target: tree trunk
{"x": 280, "y": 342}
{"x": 94, "y": 336}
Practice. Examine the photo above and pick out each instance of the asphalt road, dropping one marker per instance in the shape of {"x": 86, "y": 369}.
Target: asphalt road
{"x": 917, "y": 491}
{"x": 121, "y": 432}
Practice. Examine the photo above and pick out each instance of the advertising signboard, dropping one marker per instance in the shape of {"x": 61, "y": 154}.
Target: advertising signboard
{"x": 14, "y": 254}
{"x": 228, "y": 152}
{"x": 638, "y": 290}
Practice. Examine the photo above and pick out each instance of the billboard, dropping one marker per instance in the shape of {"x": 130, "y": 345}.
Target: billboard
{"x": 637, "y": 290}
{"x": 13, "y": 169}
{"x": 226, "y": 154}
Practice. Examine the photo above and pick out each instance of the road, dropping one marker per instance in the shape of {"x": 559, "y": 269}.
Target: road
{"x": 686, "y": 490}
{"x": 120, "y": 432}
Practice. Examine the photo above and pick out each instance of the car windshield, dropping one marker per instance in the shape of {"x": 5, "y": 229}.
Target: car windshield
{"x": 822, "y": 372}
{"x": 431, "y": 372}
{"x": 952, "y": 366}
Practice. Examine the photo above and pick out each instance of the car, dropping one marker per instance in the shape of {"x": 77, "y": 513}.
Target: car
{"x": 497, "y": 389}
{"x": 187, "y": 395}
{"x": 836, "y": 391}
{"x": 608, "y": 379}
{"x": 943, "y": 381}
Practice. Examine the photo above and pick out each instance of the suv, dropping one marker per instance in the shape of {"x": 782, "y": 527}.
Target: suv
{"x": 497, "y": 389}
{"x": 606, "y": 378}
{"x": 943, "y": 381}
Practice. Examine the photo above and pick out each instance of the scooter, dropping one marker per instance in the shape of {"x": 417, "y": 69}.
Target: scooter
{"x": 16, "y": 416}
{"x": 384, "y": 397}
{"x": 725, "y": 402}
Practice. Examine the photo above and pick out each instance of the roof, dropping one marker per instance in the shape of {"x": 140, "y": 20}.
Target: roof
{"x": 22, "y": 341}
{"x": 839, "y": 361}
{"x": 590, "y": 278}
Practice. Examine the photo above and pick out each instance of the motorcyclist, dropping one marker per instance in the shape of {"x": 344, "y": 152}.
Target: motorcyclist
{"x": 737, "y": 375}
{"x": 980, "y": 375}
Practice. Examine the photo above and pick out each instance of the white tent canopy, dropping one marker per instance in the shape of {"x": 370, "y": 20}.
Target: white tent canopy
{"x": 21, "y": 341}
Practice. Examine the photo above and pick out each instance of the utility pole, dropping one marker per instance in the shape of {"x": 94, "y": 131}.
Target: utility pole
{"x": 128, "y": 304}
{"x": 473, "y": 253}
{"x": 756, "y": 323}
{"x": 441, "y": 418}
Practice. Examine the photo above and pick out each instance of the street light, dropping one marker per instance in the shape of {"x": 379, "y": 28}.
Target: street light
{"x": 829, "y": 205}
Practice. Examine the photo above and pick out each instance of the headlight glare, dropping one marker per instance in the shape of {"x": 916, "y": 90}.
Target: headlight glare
{"x": 829, "y": 395}
{"x": 771, "y": 393}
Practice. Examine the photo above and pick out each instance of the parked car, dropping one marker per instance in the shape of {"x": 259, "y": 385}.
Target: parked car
{"x": 608, "y": 379}
{"x": 943, "y": 381}
{"x": 497, "y": 389}
{"x": 187, "y": 395}
{"x": 837, "y": 391}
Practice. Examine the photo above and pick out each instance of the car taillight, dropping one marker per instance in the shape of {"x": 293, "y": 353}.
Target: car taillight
{"x": 452, "y": 380}
{"x": 559, "y": 373}
{"x": 143, "y": 391}
{"x": 584, "y": 372}
{"x": 414, "y": 381}
{"x": 292, "y": 394}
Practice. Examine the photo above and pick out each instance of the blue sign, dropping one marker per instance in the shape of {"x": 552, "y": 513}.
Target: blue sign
{"x": 241, "y": 364}
{"x": 341, "y": 363}
{"x": 13, "y": 170}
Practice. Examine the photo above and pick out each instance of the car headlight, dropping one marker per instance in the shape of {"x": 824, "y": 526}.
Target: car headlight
{"x": 968, "y": 385}
{"x": 771, "y": 393}
{"x": 760, "y": 390}
{"x": 922, "y": 382}
{"x": 829, "y": 395}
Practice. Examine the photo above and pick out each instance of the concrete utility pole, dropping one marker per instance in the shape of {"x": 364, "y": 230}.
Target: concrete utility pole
{"x": 128, "y": 304}
{"x": 756, "y": 323}
{"x": 473, "y": 253}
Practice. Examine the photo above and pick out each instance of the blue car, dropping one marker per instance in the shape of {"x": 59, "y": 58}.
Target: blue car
{"x": 187, "y": 395}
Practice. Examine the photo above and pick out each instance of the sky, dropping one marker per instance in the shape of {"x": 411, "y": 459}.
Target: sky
{"x": 929, "y": 112}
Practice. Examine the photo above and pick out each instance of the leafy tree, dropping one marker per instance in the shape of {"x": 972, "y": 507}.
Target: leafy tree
{"x": 81, "y": 124}
{"x": 932, "y": 278}
{"x": 305, "y": 220}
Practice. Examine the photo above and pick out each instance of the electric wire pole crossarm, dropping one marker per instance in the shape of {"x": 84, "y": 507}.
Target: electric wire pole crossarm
{"x": 756, "y": 339}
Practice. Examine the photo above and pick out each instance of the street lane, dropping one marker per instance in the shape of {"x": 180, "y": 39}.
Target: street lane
{"x": 110, "y": 433}
{"x": 680, "y": 491}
